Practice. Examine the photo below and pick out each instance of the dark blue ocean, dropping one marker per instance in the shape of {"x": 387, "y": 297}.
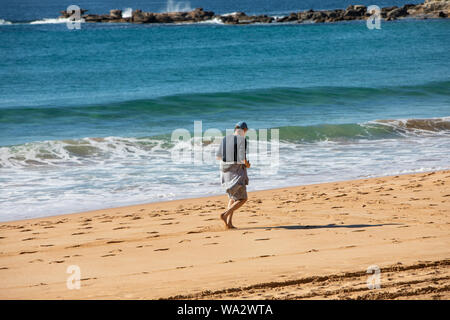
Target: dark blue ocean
{"x": 87, "y": 116}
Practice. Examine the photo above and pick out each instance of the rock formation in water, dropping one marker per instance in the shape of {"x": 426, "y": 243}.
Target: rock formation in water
{"x": 428, "y": 9}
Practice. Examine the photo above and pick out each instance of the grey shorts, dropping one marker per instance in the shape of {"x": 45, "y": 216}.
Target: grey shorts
{"x": 238, "y": 192}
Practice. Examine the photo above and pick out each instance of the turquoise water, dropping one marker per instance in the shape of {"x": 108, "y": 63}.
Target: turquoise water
{"x": 86, "y": 115}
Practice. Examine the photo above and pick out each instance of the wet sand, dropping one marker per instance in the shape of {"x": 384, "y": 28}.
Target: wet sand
{"x": 305, "y": 242}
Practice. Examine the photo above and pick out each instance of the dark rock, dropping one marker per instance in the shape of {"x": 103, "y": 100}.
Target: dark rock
{"x": 263, "y": 19}
{"x": 318, "y": 16}
{"x": 178, "y": 16}
{"x": 354, "y": 12}
{"x": 242, "y": 18}
{"x": 115, "y": 14}
{"x": 305, "y": 15}
{"x": 396, "y": 13}
{"x": 92, "y": 18}
{"x": 386, "y": 10}
{"x": 163, "y": 18}
{"x": 292, "y": 17}
{"x": 105, "y": 18}
{"x": 428, "y": 9}
{"x": 409, "y": 6}
{"x": 65, "y": 14}
{"x": 200, "y": 15}
{"x": 143, "y": 17}
{"x": 282, "y": 19}
{"x": 334, "y": 15}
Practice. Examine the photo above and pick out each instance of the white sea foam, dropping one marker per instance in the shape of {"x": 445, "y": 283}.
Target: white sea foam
{"x": 4, "y": 22}
{"x": 229, "y": 14}
{"x": 127, "y": 13}
{"x": 212, "y": 21}
{"x": 54, "y": 21}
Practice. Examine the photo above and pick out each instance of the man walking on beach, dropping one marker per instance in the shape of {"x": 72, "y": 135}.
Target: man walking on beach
{"x": 233, "y": 170}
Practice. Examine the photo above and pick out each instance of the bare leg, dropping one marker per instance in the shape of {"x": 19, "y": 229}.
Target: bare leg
{"x": 223, "y": 216}
{"x": 229, "y": 213}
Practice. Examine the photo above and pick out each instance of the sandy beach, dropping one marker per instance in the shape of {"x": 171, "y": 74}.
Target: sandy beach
{"x": 305, "y": 242}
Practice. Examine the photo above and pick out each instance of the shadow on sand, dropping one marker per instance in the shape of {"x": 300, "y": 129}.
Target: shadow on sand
{"x": 300, "y": 227}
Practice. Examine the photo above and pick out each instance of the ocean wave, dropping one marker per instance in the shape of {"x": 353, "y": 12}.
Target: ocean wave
{"x": 377, "y": 129}
{"x": 252, "y": 100}
{"x": 83, "y": 151}
{"x": 86, "y": 151}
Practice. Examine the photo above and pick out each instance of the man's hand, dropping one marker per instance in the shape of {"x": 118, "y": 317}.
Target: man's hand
{"x": 247, "y": 164}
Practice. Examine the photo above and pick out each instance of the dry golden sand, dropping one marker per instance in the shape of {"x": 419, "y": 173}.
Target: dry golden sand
{"x": 303, "y": 242}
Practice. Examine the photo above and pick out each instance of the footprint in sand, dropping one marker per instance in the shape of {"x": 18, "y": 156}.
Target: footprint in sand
{"x": 74, "y": 246}
{"x": 26, "y": 230}
{"x": 78, "y": 233}
{"x": 39, "y": 284}
{"x": 56, "y": 261}
{"x": 108, "y": 255}
{"x": 211, "y": 243}
{"x": 114, "y": 241}
{"x": 184, "y": 240}
{"x": 262, "y": 239}
{"x": 28, "y": 239}
{"x": 162, "y": 249}
{"x": 120, "y": 228}
{"x": 27, "y": 252}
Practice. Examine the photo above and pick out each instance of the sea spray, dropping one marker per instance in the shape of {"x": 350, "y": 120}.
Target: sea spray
{"x": 127, "y": 13}
{"x": 178, "y": 6}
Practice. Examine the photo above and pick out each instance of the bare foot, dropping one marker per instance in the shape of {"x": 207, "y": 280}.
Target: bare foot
{"x": 230, "y": 226}
{"x": 224, "y": 219}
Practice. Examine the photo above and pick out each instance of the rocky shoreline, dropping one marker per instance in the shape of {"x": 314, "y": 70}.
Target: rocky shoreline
{"x": 426, "y": 10}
